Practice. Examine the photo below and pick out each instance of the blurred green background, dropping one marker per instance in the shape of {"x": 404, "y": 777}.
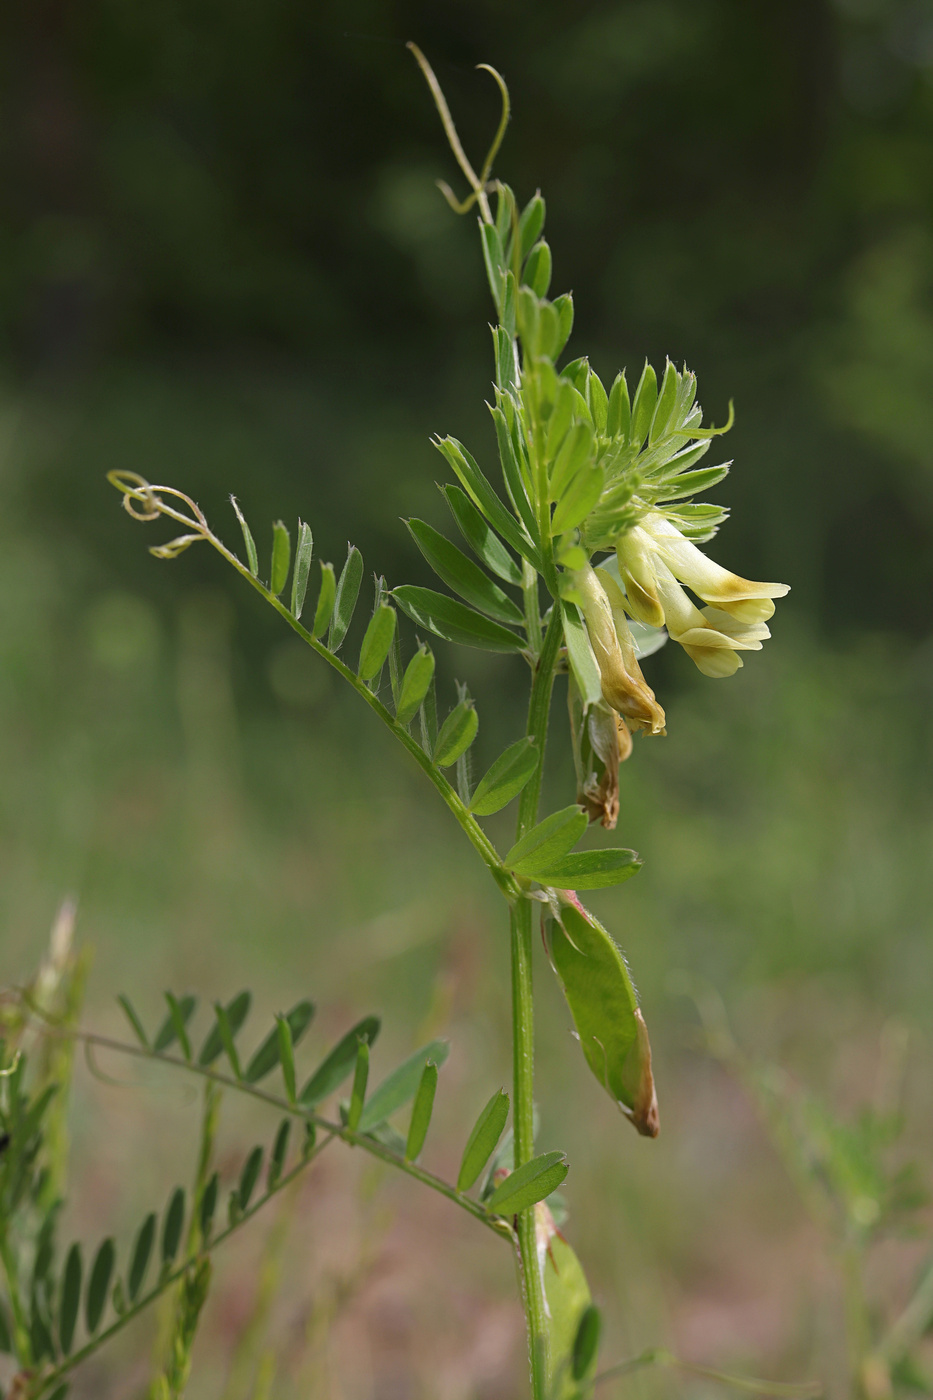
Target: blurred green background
{"x": 224, "y": 264}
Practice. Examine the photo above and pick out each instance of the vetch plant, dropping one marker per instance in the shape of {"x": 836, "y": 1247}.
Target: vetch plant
{"x": 582, "y": 561}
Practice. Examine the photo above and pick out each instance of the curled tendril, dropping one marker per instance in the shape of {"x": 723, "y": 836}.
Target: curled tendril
{"x": 138, "y": 491}
{"x": 478, "y": 183}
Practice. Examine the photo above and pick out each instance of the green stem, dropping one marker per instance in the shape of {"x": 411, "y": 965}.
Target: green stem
{"x": 523, "y": 1043}
{"x": 523, "y": 1052}
{"x": 20, "y": 1321}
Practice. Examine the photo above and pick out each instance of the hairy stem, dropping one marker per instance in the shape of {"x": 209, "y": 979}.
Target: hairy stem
{"x": 523, "y": 1035}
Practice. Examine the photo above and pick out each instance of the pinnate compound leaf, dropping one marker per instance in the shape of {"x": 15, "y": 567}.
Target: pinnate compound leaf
{"x": 278, "y": 1154}
{"x": 547, "y": 842}
{"x": 281, "y": 557}
{"x": 71, "y": 1297}
{"x": 604, "y": 1006}
{"x": 139, "y": 1259}
{"x": 481, "y": 537}
{"x": 348, "y": 590}
{"x": 252, "y": 558}
{"x": 376, "y": 643}
{"x": 398, "y": 1088}
{"x": 302, "y": 568}
{"x": 99, "y": 1285}
{"x": 360, "y": 1080}
{"x": 528, "y": 1184}
{"x": 454, "y": 621}
{"x": 463, "y": 576}
{"x": 332, "y": 1072}
{"x": 456, "y": 734}
{"x": 505, "y": 779}
{"x": 235, "y": 1013}
{"x": 326, "y": 599}
{"x": 483, "y": 1140}
{"x": 590, "y": 870}
{"x": 172, "y": 1225}
{"x": 130, "y": 1012}
{"x": 181, "y": 1009}
{"x": 268, "y": 1055}
{"x": 421, "y": 1112}
{"x": 248, "y": 1177}
{"x": 415, "y": 684}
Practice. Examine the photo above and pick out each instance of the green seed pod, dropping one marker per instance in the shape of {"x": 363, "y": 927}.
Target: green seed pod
{"x": 604, "y": 1006}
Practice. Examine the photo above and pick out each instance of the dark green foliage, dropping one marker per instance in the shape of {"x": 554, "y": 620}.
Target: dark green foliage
{"x": 173, "y": 1225}
{"x": 208, "y": 1205}
{"x": 528, "y": 1184}
{"x": 268, "y": 1054}
{"x": 549, "y": 841}
{"x": 505, "y": 778}
{"x": 278, "y": 1153}
{"x": 456, "y": 734}
{"x": 133, "y": 1018}
{"x": 99, "y": 1284}
{"x": 332, "y": 1072}
{"x": 281, "y": 558}
{"x": 586, "y": 1342}
{"x": 360, "y": 1080}
{"x": 252, "y": 559}
{"x": 348, "y": 590}
{"x": 139, "y": 1260}
{"x": 483, "y": 1139}
{"x": 174, "y": 1027}
{"x": 421, "y": 1112}
{"x": 401, "y": 1085}
{"x": 462, "y": 575}
{"x": 454, "y": 621}
{"x": 302, "y": 568}
{"x": 416, "y": 682}
{"x": 230, "y": 1020}
{"x": 72, "y": 1276}
{"x": 248, "y": 1177}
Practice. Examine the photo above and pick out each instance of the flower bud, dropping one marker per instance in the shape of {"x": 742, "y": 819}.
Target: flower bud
{"x": 623, "y": 685}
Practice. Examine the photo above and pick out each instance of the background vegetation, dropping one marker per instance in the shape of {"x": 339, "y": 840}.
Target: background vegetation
{"x": 225, "y": 265}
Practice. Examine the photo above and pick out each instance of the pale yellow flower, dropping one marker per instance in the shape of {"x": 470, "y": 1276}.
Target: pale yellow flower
{"x": 655, "y": 560}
